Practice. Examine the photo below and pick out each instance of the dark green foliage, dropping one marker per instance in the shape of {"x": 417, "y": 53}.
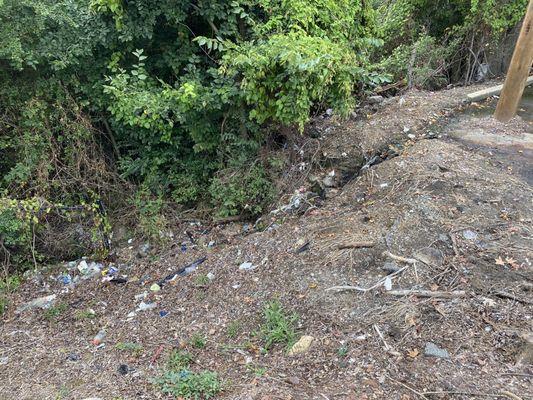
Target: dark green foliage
{"x": 432, "y": 43}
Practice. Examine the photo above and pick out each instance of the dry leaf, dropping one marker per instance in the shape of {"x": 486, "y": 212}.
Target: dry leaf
{"x": 512, "y": 262}
{"x": 413, "y": 353}
{"x": 499, "y": 261}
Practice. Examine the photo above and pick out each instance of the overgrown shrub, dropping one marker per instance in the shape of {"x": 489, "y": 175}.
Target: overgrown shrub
{"x": 443, "y": 41}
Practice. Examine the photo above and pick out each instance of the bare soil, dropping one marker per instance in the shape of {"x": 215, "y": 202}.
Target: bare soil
{"x": 462, "y": 209}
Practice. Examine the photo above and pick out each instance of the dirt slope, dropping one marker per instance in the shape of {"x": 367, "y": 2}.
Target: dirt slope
{"x": 463, "y": 212}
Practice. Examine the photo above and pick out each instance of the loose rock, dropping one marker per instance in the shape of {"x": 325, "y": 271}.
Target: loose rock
{"x": 302, "y": 345}
{"x": 432, "y": 350}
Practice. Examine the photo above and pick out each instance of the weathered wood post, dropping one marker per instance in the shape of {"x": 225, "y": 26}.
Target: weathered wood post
{"x": 518, "y": 71}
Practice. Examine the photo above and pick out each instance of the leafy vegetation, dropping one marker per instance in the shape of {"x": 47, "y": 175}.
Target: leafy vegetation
{"x": 278, "y": 326}
{"x": 178, "y": 380}
{"x": 110, "y": 105}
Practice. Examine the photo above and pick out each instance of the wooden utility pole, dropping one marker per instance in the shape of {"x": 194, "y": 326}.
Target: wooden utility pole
{"x": 518, "y": 71}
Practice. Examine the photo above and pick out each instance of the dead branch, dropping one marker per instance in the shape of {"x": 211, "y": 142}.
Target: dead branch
{"x": 355, "y": 245}
{"x": 428, "y": 293}
{"x": 506, "y": 295}
{"x": 400, "y": 258}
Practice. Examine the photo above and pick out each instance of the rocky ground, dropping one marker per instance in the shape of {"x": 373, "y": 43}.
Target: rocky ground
{"x": 413, "y": 276}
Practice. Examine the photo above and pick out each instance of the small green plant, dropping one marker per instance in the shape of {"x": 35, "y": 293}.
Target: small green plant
{"x": 55, "y": 311}
{"x": 278, "y": 327}
{"x": 178, "y": 360}
{"x": 342, "y": 351}
{"x": 179, "y": 381}
{"x": 256, "y": 370}
{"x": 190, "y": 385}
{"x": 198, "y": 341}
{"x": 85, "y": 314}
{"x": 202, "y": 280}
{"x": 134, "y": 348}
{"x": 233, "y": 329}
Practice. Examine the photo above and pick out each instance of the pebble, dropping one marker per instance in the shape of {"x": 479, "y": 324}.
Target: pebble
{"x": 375, "y": 99}
{"x": 430, "y": 256}
{"x": 469, "y": 235}
{"x": 123, "y": 369}
{"x": 302, "y": 345}
{"x": 247, "y": 266}
{"x": 432, "y": 350}
{"x": 146, "y": 306}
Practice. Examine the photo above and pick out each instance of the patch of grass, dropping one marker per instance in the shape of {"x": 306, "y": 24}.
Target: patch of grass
{"x": 178, "y": 381}
{"x": 190, "y": 385}
{"x": 202, "y": 280}
{"x": 178, "y": 360}
{"x": 134, "y": 348}
{"x": 85, "y": 314}
{"x": 55, "y": 311}
{"x": 233, "y": 329}
{"x": 256, "y": 370}
{"x": 278, "y": 326}
{"x": 198, "y": 341}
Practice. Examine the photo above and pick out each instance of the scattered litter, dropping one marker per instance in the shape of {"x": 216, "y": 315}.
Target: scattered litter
{"x": 411, "y": 136}
{"x": 302, "y": 345}
{"x": 469, "y": 235}
{"x": 155, "y": 287}
{"x": 303, "y": 248}
{"x": 247, "y": 266}
{"x": 143, "y": 250}
{"x": 183, "y": 247}
{"x": 42, "y": 302}
{"x": 236, "y": 286}
{"x": 146, "y": 306}
{"x": 99, "y": 338}
{"x": 123, "y": 369}
{"x": 210, "y": 276}
{"x": 388, "y": 283}
{"x": 116, "y": 279}
{"x": 89, "y": 270}
{"x": 163, "y": 313}
{"x": 141, "y": 296}
{"x": 432, "y": 350}
{"x": 73, "y": 357}
{"x": 406, "y": 129}
{"x": 4, "y": 360}
{"x": 211, "y": 244}
{"x": 183, "y": 271}
{"x": 65, "y": 279}
{"x": 299, "y": 202}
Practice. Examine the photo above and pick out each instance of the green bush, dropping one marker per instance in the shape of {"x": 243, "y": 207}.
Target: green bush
{"x": 246, "y": 191}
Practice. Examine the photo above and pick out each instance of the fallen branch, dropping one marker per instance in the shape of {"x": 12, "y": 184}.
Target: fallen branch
{"x": 355, "y": 245}
{"x": 428, "y": 293}
{"x": 410, "y": 261}
{"x": 505, "y": 295}
{"x": 400, "y": 258}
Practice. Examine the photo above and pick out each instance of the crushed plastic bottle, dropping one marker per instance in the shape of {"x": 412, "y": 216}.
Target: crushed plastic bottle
{"x": 99, "y": 338}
